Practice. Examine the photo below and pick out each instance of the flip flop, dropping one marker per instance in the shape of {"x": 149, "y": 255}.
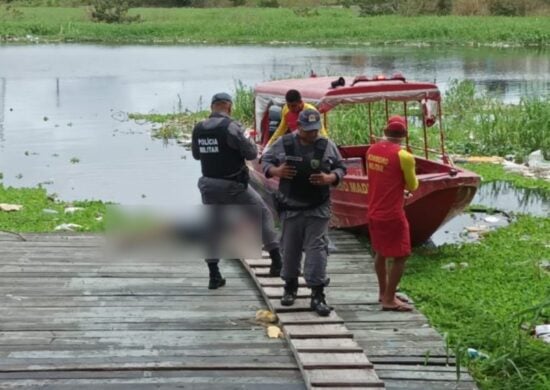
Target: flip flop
{"x": 400, "y": 308}
{"x": 401, "y": 297}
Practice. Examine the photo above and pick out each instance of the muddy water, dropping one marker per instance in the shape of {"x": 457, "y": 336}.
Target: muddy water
{"x": 60, "y": 105}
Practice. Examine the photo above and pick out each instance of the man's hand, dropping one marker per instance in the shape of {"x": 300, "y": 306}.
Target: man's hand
{"x": 323, "y": 179}
{"x": 284, "y": 171}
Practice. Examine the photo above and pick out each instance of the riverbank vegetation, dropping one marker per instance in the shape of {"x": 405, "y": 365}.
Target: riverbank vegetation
{"x": 281, "y": 26}
{"x": 365, "y": 7}
{"x": 41, "y": 212}
{"x": 475, "y": 124}
{"x": 493, "y": 303}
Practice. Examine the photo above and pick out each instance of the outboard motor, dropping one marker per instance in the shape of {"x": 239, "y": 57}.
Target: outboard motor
{"x": 274, "y": 118}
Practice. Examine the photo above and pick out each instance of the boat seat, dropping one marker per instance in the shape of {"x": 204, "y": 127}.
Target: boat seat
{"x": 355, "y": 166}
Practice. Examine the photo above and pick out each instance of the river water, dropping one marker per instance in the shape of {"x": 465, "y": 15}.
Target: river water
{"x": 62, "y": 106}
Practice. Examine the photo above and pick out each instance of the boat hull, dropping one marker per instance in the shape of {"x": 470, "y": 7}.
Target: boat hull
{"x": 437, "y": 200}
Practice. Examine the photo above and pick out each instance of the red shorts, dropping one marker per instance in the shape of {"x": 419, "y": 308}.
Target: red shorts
{"x": 390, "y": 238}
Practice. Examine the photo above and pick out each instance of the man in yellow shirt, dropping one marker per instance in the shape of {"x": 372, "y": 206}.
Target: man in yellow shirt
{"x": 289, "y": 115}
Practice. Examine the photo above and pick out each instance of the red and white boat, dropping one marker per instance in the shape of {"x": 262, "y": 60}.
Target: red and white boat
{"x": 445, "y": 190}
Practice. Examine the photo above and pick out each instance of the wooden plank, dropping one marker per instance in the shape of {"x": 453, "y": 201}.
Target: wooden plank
{"x": 343, "y": 388}
{"x": 278, "y": 282}
{"x": 339, "y": 345}
{"x": 323, "y": 360}
{"x": 258, "y": 262}
{"x": 417, "y": 368}
{"x": 414, "y": 360}
{"x": 300, "y": 304}
{"x": 260, "y": 271}
{"x": 436, "y": 376}
{"x": 307, "y": 317}
{"x": 123, "y": 365}
{"x": 277, "y": 292}
{"x": 343, "y": 377}
{"x": 426, "y": 385}
{"x": 235, "y": 379}
{"x": 317, "y": 331}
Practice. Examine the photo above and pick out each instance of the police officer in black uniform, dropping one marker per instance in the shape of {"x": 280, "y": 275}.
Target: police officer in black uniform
{"x": 221, "y": 146}
{"x": 307, "y": 164}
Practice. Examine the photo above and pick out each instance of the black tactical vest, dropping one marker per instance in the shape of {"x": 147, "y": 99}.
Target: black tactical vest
{"x": 218, "y": 160}
{"x": 299, "y": 188}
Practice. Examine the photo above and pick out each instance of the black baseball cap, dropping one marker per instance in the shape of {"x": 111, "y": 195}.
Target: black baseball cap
{"x": 221, "y": 97}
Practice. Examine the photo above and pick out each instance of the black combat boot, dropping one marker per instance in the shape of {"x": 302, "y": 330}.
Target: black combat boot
{"x": 216, "y": 278}
{"x": 318, "y": 303}
{"x": 291, "y": 292}
{"x": 276, "y": 264}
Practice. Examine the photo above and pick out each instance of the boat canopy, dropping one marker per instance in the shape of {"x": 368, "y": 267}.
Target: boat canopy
{"x": 328, "y": 92}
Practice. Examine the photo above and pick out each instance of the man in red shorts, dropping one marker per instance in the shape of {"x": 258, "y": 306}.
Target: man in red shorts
{"x": 391, "y": 173}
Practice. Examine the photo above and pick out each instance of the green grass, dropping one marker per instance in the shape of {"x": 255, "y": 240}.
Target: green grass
{"x": 173, "y": 126}
{"x": 32, "y": 218}
{"x": 479, "y": 306}
{"x": 477, "y": 124}
{"x": 496, "y": 172}
{"x": 331, "y": 26}
{"x": 493, "y": 304}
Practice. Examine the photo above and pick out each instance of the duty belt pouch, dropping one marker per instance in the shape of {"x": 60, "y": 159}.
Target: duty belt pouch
{"x": 244, "y": 176}
{"x": 278, "y": 202}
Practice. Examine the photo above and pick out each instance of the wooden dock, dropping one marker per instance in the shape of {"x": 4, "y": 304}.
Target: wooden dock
{"x": 72, "y": 319}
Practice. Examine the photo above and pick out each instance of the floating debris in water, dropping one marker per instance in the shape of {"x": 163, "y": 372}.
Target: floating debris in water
{"x": 477, "y": 229}
{"x": 120, "y": 116}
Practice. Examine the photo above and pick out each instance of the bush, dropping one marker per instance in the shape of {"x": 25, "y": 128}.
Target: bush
{"x": 107, "y": 12}
{"x": 425, "y": 7}
{"x": 507, "y": 7}
{"x": 268, "y": 4}
{"x": 377, "y": 7}
{"x": 8, "y": 11}
{"x": 305, "y": 12}
{"x": 470, "y": 7}
{"x": 238, "y": 3}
